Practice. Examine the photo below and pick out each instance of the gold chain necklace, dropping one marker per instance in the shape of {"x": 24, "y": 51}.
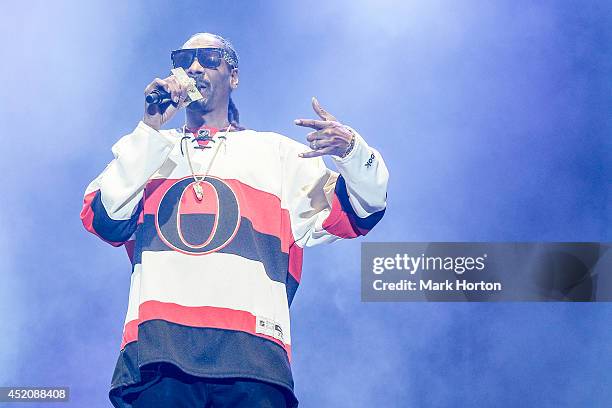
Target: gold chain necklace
{"x": 197, "y": 186}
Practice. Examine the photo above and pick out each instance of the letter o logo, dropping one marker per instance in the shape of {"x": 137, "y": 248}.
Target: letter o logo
{"x": 192, "y": 232}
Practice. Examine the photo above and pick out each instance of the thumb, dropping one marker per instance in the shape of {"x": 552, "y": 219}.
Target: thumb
{"x": 323, "y": 114}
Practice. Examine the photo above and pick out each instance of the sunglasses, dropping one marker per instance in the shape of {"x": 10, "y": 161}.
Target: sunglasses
{"x": 207, "y": 57}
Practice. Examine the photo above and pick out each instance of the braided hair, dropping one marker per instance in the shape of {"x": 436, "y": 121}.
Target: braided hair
{"x": 232, "y": 114}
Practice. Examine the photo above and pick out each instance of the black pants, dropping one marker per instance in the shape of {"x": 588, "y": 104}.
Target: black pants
{"x": 164, "y": 385}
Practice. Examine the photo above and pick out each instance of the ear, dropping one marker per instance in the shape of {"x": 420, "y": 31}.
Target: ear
{"x": 234, "y": 78}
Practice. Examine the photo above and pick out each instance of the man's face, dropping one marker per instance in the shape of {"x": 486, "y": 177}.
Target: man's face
{"x": 215, "y": 84}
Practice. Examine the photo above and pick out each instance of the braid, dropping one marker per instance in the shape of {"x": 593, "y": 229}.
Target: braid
{"x": 233, "y": 116}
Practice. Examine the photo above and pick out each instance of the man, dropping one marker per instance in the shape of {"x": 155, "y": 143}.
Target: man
{"x": 215, "y": 218}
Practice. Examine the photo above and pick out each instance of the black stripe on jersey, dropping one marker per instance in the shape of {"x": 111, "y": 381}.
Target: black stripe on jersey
{"x": 203, "y": 352}
{"x": 247, "y": 243}
{"x": 366, "y": 223}
{"x": 109, "y": 229}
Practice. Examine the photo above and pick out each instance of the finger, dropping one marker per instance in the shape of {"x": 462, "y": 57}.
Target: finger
{"x": 323, "y": 114}
{"x": 315, "y": 153}
{"x": 319, "y": 145}
{"x": 319, "y": 136}
{"x": 179, "y": 85}
{"x": 172, "y": 82}
{"x": 174, "y": 95}
{"x": 312, "y": 123}
{"x": 182, "y": 87}
{"x": 327, "y": 133}
{"x": 183, "y": 94}
{"x": 174, "y": 89}
{"x": 323, "y": 143}
{"x": 156, "y": 84}
{"x": 312, "y": 136}
{"x": 182, "y": 100}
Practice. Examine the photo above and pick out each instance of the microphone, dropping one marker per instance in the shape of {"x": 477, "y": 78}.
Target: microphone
{"x": 158, "y": 97}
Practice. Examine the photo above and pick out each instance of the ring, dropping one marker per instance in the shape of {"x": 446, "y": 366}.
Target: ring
{"x": 313, "y": 145}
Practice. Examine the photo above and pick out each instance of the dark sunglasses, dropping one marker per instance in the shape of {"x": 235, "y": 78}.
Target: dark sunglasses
{"x": 207, "y": 57}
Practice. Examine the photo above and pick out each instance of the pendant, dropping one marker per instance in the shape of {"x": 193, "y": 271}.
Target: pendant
{"x": 199, "y": 191}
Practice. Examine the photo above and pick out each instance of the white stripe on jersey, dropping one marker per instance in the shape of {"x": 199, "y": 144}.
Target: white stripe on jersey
{"x": 223, "y": 280}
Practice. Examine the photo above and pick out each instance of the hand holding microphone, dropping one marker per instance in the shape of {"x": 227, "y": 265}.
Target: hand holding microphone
{"x": 164, "y": 97}
{"x": 158, "y": 97}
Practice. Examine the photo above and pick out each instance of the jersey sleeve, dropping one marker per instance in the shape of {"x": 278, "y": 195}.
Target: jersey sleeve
{"x": 325, "y": 205}
{"x": 113, "y": 200}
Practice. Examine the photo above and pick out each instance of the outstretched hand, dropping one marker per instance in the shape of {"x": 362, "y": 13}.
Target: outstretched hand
{"x": 329, "y": 137}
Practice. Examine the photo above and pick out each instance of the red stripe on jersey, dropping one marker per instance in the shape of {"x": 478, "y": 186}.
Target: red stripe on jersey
{"x": 130, "y": 333}
{"x": 340, "y": 223}
{"x": 296, "y": 255}
{"x": 195, "y": 316}
{"x": 129, "y": 248}
{"x": 260, "y": 207}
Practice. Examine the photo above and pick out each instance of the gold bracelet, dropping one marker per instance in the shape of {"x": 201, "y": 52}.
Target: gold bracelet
{"x": 351, "y": 144}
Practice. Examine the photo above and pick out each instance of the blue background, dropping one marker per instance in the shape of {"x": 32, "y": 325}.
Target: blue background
{"x": 494, "y": 119}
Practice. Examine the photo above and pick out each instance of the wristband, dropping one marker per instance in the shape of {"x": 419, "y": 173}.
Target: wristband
{"x": 351, "y": 144}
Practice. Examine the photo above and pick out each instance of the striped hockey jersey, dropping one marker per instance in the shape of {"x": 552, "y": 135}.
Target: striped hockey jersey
{"x": 212, "y": 280}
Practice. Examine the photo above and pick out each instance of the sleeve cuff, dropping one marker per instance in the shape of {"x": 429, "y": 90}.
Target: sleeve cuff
{"x": 154, "y": 135}
{"x": 143, "y": 127}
